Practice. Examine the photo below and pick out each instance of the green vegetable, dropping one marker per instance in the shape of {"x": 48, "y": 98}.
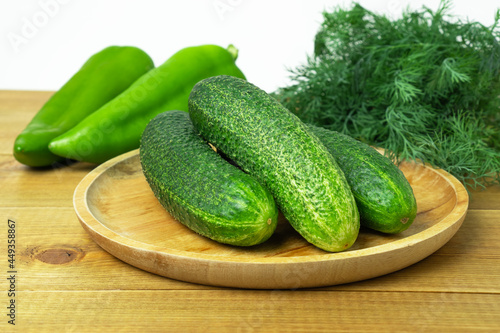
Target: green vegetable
{"x": 383, "y": 195}
{"x": 273, "y": 145}
{"x": 424, "y": 86}
{"x": 103, "y": 76}
{"x": 117, "y": 127}
{"x": 199, "y": 188}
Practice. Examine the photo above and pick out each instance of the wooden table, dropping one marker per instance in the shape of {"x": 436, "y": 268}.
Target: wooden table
{"x": 64, "y": 282}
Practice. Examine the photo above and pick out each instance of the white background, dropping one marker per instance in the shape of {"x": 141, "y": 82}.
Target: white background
{"x": 44, "y": 42}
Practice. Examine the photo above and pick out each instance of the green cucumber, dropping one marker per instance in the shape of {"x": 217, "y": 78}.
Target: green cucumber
{"x": 384, "y": 196}
{"x": 274, "y": 146}
{"x": 199, "y": 188}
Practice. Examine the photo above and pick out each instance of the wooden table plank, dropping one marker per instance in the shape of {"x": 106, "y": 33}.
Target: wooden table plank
{"x": 258, "y": 311}
{"x": 485, "y": 198}
{"x": 16, "y": 109}
{"x": 28, "y": 187}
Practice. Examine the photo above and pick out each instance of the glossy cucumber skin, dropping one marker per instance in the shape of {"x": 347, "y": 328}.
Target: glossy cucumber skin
{"x": 117, "y": 126}
{"x": 273, "y": 145}
{"x": 384, "y": 196}
{"x": 202, "y": 190}
{"x": 101, "y": 78}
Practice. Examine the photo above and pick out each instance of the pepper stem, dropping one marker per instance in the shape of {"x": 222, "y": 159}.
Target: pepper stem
{"x": 233, "y": 51}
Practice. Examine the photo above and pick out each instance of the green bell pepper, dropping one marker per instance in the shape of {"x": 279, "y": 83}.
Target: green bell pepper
{"x": 102, "y": 77}
{"x": 117, "y": 127}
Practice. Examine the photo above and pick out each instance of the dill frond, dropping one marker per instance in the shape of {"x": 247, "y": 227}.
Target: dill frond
{"x": 425, "y": 86}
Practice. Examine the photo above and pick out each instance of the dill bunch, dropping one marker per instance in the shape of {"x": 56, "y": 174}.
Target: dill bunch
{"x": 425, "y": 86}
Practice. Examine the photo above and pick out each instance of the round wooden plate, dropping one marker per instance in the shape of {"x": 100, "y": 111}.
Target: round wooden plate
{"x": 118, "y": 209}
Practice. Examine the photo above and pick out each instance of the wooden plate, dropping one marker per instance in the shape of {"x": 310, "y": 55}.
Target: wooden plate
{"x": 118, "y": 209}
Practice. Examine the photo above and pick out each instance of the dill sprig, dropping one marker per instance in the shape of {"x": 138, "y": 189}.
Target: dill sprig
{"x": 425, "y": 86}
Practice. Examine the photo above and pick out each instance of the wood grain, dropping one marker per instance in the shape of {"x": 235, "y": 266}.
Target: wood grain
{"x": 47, "y": 187}
{"x": 262, "y": 311}
{"x": 16, "y": 110}
{"x": 456, "y": 289}
{"x": 486, "y": 199}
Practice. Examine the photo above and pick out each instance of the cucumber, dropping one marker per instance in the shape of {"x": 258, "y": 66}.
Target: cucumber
{"x": 273, "y": 145}
{"x": 384, "y": 196}
{"x": 199, "y": 188}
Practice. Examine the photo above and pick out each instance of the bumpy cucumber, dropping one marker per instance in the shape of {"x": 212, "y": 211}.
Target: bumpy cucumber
{"x": 273, "y": 145}
{"x": 384, "y": 197}
{"x": 199, "y": 188}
